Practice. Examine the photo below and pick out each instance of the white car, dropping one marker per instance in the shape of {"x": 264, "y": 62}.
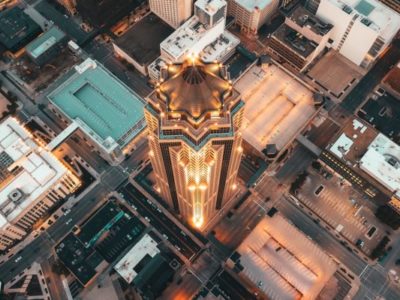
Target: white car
{"x": 19, "y": 258}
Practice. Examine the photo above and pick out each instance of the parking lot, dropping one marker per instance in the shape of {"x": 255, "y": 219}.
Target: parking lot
{"x": 344, "y": 209}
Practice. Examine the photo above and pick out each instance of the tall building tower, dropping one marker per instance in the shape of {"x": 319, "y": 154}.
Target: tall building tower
{"x": 194, "y": 118}
{"x": 174, "y": 12}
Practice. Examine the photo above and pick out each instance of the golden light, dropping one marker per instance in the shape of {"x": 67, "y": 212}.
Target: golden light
{"x": 198, "y": 221}
{"x": 234, "y": 186}
{"x": 151, "y": 153}
{"x": 240, "y": 149}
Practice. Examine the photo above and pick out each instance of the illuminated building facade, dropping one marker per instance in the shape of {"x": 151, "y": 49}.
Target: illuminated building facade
{"x": 194, "y": 118}
{"x": 32, "y": 180}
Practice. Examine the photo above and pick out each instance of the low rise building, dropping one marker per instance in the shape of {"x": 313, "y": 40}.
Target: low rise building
{"x": 367, "y": 159}
{"x": 140, "y": 45}
{"x": 46, "y": 46}
{"x": 278, "y": 108}
{"x": 391, "y": 82}
{"x": 300, "y": 39}
{"x": 203, "y": 35}
{"x": 17, "y": 29}
{"x": 250, "y": 15}
{"x": 109, "y": 115}
{"x": 203, "y": 28}
{"x": 32, "y": 180}
{"x": 282, "y": 262}
{"x": 362, "y": 29}
{"x": 145, "y": 267}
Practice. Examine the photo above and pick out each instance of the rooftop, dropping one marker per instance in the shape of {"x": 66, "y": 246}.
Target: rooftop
{"x": 107, "y": 12}
{"x": 277, "y": 106}
{"x": 26, "y": 170}
{"x": 305, "y": 18}
{"x": 382, "y": 162}
{"x": 295, "y": 40}
{"x": 352, "y": 143}
{"x": 203, "y": 82}
{"x": 105, "y": 108}
{"x": 145, "y": 249}
{"x": 183, "y": 40}
{"x": 373, "y": 14}
{"x": 81, "y": 261}
{"x": 142, "y": 41}
{"x": 283, "y": 262}
{"x": 45, "y": 41}
{"x": 102, "y": 220}
{"x": 251, "y": 5}
{"x": 210, "y": 6}
{"x": 17, "y": 29}
{"x": 392, "y": 79}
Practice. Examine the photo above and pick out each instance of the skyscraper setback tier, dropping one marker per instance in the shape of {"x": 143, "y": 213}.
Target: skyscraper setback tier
{"x": 194, "y": 118}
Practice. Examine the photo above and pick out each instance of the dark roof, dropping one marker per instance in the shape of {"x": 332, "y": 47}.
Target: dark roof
{"x": 106, "y": 12}
{"x": 142, "y": 41}
{"x": 81, "y": 261}
{"x": 101, "y": 220}
{"x": 17, "y": 29}
{"x": 195, "y": 88}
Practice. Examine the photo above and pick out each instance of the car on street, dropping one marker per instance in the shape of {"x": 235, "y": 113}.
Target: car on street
{"x": 18, "y": 259}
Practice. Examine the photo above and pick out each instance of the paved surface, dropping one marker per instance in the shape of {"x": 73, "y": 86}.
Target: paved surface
{"x": 353, "y": 100}
{"x": 374, "y": 279}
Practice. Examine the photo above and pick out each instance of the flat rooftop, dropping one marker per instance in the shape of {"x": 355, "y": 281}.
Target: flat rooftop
{"x": 26, "y": 170}
{"x": 372, "y": 13}
{"x": 142, "y": 252}
{"x": 277, "y": 106}
{"x": 185, "y": 37}
{"x": 17, "y": 29}
{"x": 305, "y": 18}
{"x": 107, "y": 12}
{"x": 45, "y": 41}
{"x": 392, "y": 79}
{"x": 105, "y": 107}
{"x": 142, "y": 41}
{"x": 283, "y": 262}
{"x": 211, "y": 7}
{"x": 251, "y": 5}
{"x": 102, "y": 220}
{"x": 294, "y": 40}
{"x": 382, "y": 162}
{"x": 353, "y": 141}
{"x": 220, "y": 47}
{"x": 81, "y": 261}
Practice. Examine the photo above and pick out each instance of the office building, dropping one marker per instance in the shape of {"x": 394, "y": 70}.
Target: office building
{"x": 300, "y": 39}
{"x": 282, "y": 262}
{"x": 362, "y": 29}
{"x": 46, "y": 46}
{"x": 107, "y": 114}
{"x": 194, "y": 118}
{"x": 17, "y": 29}
{"x": 203, "y": 34}
{"x": 32, "y": 180}
{"x": 393, "y": 4}
{"x": 202, "y": 29}
{"x": 173, "y": 12}
{"x": 140, "y": 44}
{"x": 250, "y": 15}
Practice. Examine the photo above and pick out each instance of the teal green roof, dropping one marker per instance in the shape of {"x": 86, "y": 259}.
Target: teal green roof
{"x": 364, "y": 8}
{"x": 45, "y": 41}
{"x": 102, "y": 102}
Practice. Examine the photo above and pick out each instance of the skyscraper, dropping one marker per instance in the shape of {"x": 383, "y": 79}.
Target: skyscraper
{"x": 194, "y": 118}
{"x": 174, "y": 12}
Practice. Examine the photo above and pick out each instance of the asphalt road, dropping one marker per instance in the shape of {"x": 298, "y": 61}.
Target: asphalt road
{"x": 372, "y": 78}
{"x": 160, "y": 221}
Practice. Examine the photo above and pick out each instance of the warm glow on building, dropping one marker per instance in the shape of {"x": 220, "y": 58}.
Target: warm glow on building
{"x": 194, "y": 117}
